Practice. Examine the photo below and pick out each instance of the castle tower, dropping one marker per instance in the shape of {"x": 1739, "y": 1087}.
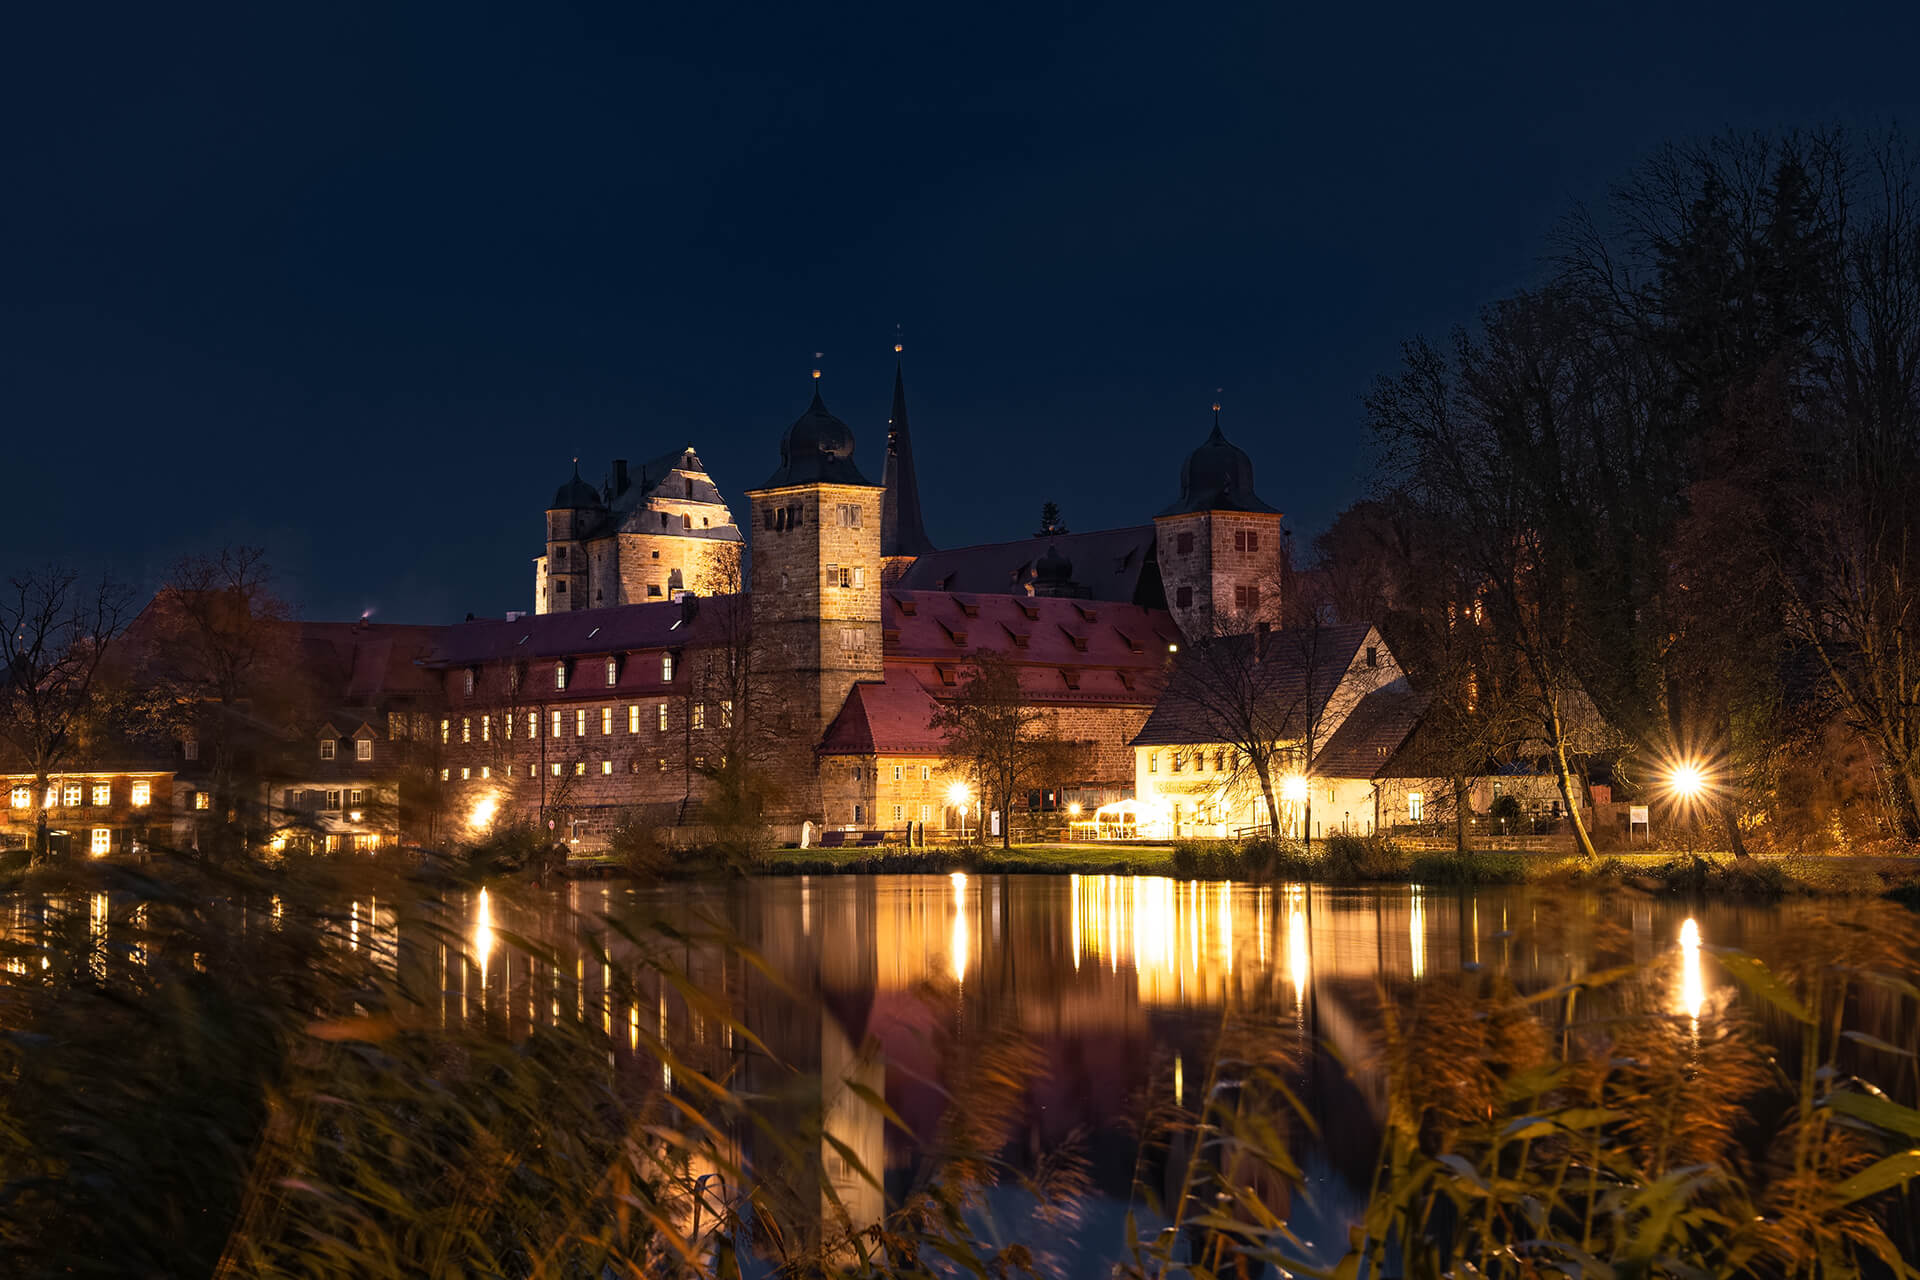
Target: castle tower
{"x": 562, "y": 577}
{"x": 816, "y": 526}
{"x": 1219, "y": 545}
{"x": 902, "y": 534}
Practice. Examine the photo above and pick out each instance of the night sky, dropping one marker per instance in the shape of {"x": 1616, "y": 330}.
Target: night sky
{"x": 355, "y": 282}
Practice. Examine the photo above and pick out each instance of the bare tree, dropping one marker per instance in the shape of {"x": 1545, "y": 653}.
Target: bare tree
{"x": 996, "y": 734}
{"x": 54, "y": 632}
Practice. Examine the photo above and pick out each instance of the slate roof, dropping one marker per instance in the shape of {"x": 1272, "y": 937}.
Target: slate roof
{"x": 1120, "y": 565}
{"x": 1296, "y": 677}
{"x": 891, "y": 716}
{"x": 618, "y": 629}
{"x": 362, "y": 663}
{"x": 1365, "y": 744}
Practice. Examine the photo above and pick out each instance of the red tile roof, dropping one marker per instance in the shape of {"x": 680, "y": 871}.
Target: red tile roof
{"x": 617, "y": 629}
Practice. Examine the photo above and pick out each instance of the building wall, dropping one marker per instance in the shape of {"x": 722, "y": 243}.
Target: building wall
{"x": 648, "y": 563}
{"x": 158, "y": 822}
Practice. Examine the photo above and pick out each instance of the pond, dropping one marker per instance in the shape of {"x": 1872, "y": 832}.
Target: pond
{"x": 1097, "y": 999}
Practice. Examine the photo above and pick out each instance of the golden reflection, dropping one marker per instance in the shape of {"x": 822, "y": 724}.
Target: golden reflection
{"x": 1417, "y": 934}
{"x": 483, "y": 937}
{"x": 1299, "y": 954}
{"x": 1693, "y": 989}
{"x": 958, "y": 946}
{"x": 1179, "y": 1082}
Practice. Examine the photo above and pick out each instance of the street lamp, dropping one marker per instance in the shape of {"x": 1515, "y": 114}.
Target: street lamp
{"x": 1687, "y": 783}
{"x": 958, "y": 796}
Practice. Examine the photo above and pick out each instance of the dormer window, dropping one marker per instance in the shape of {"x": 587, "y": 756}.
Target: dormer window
{"x": 613, "y": 672}
{"x": 363, "y": 749}
{"x": 326, "y": 748}
{"x": 666, "y": 668}
{"x": 466, "y": 682}
{"x": 559, "y": 675}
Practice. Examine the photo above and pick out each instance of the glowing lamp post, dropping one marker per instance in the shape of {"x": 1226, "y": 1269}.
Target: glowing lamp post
{"x": 958, "y": 796}
{"x": 1687, "y": 782}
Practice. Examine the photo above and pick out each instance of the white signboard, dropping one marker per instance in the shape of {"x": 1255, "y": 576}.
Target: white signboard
{"x": 1637, "y": 815}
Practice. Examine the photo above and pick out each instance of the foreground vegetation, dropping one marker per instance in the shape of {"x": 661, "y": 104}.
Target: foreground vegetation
{"x": 216, "y": 1072}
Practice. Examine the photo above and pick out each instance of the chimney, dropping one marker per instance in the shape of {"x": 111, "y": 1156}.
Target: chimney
{"x": 619, "y": 476}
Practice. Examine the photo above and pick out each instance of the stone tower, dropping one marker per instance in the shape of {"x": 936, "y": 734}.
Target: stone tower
{"x": 815, "y": 582}
{"x": 563, "y": 577}
{"x": 1219, "y": 545}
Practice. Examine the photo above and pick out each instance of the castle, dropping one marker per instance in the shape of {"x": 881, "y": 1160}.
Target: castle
{"x": 654, "y": 655}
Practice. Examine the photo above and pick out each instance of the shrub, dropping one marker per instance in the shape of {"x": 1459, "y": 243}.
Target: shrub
{"x": 1355, "y": 859}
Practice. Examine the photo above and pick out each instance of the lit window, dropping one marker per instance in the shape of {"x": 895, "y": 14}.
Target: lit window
{"x": 466, "y": 773}
{"x": 556, "y": 724}
{"x": 51, "y": 798}
{"x": 326, "y": 748}
{"x": 142, "y": 794}
{"x": 356, "y": 797}
{"x": 533, "y": 725}
{"x": 579, "y": 768}
{"x": 633, "y": 717}
{"x": 926, "y": 773}
{"x": 22, "y": 797}
{"x": 202, "y": 800}
{"x": 71, "y": 796}
{"x": 726, "y": 713}
{"x": 102, "y": 842}
{"x": 363, "y": 749}
{"x": 466, "y": 728}
{"x": 606, "y": 768}
{"x": 663, "y": 764}
{"x": 699, "y": 715}
{"x": 613, "y": 671}
{"x": 445, "y": 775}
{"x": 666, "y": 667}
{"x": 556, "y": 768}
{"x": 1416, "y": 807}
{"x": 1153, "y": 762}
{"x": 559, "y": 675}
{"x": 486, "y": 733}
{"x": 102, "y": 794}
{"x": 333, "y": 800}
{"x": 663, "y": 717}
{"x": 486, "y": 771}
{"x": 606, "y": 720}
{"x": 579, "y": 722}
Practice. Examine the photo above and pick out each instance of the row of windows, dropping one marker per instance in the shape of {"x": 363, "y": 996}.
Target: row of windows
{"x": 846, "y": 575}
{"x": 68, "y": 795}
{"x": 1244, "y": 597}
{"x": 558, "y": 769}
{"x": 859, "y": 772}
{"x": 1244, "y": 540}
{"x": 582, "y": 718}
{"x": 362, "y": 748}
{"x": 1198, "y": 758}
{"x": 332, "y": 799}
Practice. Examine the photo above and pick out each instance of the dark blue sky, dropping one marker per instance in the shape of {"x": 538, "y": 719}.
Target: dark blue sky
{"x": 355, "y": 282}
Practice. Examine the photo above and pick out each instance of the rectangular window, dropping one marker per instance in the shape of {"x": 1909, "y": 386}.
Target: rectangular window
{"x": 326, "y": 748}
{"x": 356, "y": 797}
{"x": 579, "y": 722}
{"x": 613, "y": 672}
{"x": 142, "y": 794}
{"x": 579, "y": 768}
{"x": 467, "y": 682}
{"x": 899, "y": 811}
{"x": 666, "y": 667}
{"x": 445, "y": 774}
{"x": 466, "y": 728}
{"x": 663, "y": 764}
{"x": 699, "y": 715}
{"x": 1183, "y": 543}
{"x": 190, "y": 748}
{"x": 486, "y": 731}
{"x": 1416, "y": 807}
{"x": 606, "y": 768}
{"x": 202, "y": 800}
{"x": 926, "y": 773}
{"x": 663, "y": 717}
{"x": 633, "y": 718}
{"x": 486, "y": 771}
{"x": 333, "y": 799}
{"x": 102, "y": 794}
{"x": 363, "y": 748}
{"x": 533, "y": 725}
{"x": 899, "y": 772}
{"x": 22, "y": 797}
{"x": 445, "y": 727}
{"x": 556, "y": 724}
{"x": 847, "y": 515}
{"x": 856, "y": 814}
{"x": 926, "y": 813}
{"x": 1153, "y": 762}
{"x": 506, "y": 723}
{"x": 71, "y": 798}
{"x": 556, "y": 768}
{"x": 102, "y": 842}
{"x": 726, "y": 714}
{"x": 606, "y": 721}
{"x": 559, "y": 675}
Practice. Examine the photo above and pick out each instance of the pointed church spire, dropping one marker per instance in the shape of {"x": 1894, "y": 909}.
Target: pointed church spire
{"x": 901, "y": 530}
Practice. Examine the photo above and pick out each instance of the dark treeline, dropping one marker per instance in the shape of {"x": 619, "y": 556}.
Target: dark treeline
{"x": 1674, "y": 485}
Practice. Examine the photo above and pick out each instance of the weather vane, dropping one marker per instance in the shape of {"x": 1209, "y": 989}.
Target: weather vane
{"x": 898, "y": 344}
{"x": 816, "y": 364}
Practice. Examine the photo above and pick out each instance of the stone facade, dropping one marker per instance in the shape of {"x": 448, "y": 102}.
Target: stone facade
{"x": 1221, "y": 570}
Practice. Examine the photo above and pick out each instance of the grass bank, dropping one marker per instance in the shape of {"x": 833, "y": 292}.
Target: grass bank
{"x": 1349, "y": 860}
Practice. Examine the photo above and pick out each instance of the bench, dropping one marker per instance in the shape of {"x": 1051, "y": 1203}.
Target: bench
{"x": 832, "y": 839}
